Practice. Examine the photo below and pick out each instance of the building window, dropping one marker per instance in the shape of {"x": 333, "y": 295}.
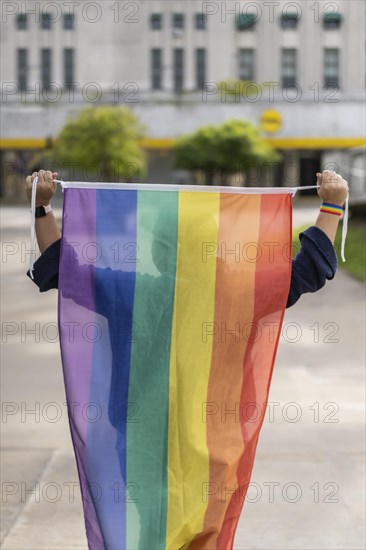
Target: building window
{"x": 245, "y": 22}
{"x": 156, "y": 21}
{"x": 46, "y": 56}
{"x": 69, "y": 62}
{"x": 200, "y": 21}
{"x": 46, "y": 21}
{"x": 22, "y": 69}
{"x": 69, "y": 21}
{"x": 289, "y": 20}
{"x": 288, "y": 68}
{"x": 246, "y": 64}
{"x": 200, "y": 68}
{"x": 178, "y": 21}
{"x": 21, "y": 21}
{"x": 156, "y": 68}
{"x": 178, "y": 70}
{"x": 332, "y": 20}
{"x": 331, "y": 68}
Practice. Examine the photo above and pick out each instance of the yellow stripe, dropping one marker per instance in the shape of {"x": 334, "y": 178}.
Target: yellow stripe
{"x": 190, "y": 362}
{"x": 157, "y": 143}
{"x": 167, "y": 143}
{"x": 316, "y": 143}
{"x": 26, "y": 143}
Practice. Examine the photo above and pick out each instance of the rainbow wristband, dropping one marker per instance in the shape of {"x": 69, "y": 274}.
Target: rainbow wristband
{"x": 330, "y": 208}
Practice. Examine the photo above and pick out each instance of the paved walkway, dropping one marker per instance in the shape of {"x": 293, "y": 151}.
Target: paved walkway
{"x": 308, "y": 480}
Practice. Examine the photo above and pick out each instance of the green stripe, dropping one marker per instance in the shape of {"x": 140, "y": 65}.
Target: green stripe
{"x": 147, "y": 427}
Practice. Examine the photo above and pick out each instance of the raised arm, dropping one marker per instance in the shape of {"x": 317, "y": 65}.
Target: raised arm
{"x": 46, "y": 268}
{"x": 332, "y": 189}
{"x": 317, "y": 261}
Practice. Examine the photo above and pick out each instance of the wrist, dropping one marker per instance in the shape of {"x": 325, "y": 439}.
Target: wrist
{"x": 333, "y": 208}
{"x": 337, "y": 202}
{"x": 42, "y": 210}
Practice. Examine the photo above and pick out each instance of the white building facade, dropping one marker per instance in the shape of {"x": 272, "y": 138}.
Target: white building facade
{"x": 178, "y": 66}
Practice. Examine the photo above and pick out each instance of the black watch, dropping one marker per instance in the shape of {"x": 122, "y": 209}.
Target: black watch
{"x": 42, "y": 211}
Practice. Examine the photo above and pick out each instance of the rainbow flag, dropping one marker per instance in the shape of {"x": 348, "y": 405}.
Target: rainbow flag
{"x": 170, "y": 309}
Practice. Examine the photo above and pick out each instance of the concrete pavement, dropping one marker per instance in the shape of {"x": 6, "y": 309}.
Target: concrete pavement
{"x": 307, "y": 488}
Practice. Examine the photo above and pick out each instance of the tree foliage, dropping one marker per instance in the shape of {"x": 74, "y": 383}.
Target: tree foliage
{"x": 106, "y": 138}
{"x": 232, "y": 146}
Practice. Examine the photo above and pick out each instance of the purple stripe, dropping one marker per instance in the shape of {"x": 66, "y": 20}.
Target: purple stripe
{"x": 79, "y": 229}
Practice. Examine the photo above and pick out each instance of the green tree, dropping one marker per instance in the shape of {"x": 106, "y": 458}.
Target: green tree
{"x": 104, "y": 137}
{"x": 233, "y": 146}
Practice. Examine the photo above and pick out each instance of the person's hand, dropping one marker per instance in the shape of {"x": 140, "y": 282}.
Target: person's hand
{"x": 332, "y": 187}
{"x": 46, "y": 187}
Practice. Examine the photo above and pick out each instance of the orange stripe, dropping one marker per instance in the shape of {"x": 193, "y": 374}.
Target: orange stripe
{"x": 273, "y": 276}
{"x": 234, "y": 308}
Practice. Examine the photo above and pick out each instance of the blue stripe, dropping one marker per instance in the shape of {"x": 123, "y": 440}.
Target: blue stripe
{"x": 115, "y": 276}
{"x": 332, "y": 205}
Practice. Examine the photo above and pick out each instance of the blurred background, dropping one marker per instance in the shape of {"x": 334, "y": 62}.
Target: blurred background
{"x": 190, "y": 92}
{"x": 294, "y": 70}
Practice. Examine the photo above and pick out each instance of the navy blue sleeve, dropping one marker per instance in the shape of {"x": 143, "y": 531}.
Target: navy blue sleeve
{"x": 45, "y": 269}
{"x": 313, "y": 265}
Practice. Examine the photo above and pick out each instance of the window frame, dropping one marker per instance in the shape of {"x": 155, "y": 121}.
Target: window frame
{"x": 332, "y": 21}
{"x": 285, "y": 64}
{"x": 156, "y": 74}
{"x": 246, "y": 22}
{"x": 200, "y": 66}
{"x": 22, "y": 21}
{"x": 178, "y": 76}
{"x": 68, "y": 21}
{"x": 289, "y": 21}
{"x": 329, "y": 80}
{"x": 69, "y": 84}
{"x": 241, "y": 55}
{"x": 46, "y": 21}
{"x": 46, "y": 84}
{"x": 178, "y": 17}
{"x": 154, "y": 18}
{"x": 200, "y": 21}
{"x": 22, "y": 68}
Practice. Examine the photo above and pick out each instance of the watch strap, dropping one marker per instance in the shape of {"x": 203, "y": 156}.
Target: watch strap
{"x": 42, "y": 211}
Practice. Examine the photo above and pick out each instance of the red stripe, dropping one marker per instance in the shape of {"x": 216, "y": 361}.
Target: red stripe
{"x": 271, "y": 291}
{"x": 330, "y": 212}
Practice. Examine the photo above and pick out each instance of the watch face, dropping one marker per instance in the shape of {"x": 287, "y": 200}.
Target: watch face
{"x": 40, "y": 212}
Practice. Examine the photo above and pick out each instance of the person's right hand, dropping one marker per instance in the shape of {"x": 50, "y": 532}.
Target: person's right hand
{"x": 332, "y": 187}
{"x": 46, "y": 187}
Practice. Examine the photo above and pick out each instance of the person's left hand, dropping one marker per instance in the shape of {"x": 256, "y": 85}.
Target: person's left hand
{"x": 46, "y": 187}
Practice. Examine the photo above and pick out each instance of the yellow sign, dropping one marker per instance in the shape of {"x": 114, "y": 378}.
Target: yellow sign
{"x": 271, "y": 121}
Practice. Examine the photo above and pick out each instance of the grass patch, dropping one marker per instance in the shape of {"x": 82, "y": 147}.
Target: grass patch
{"x": 355, "y": 250}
